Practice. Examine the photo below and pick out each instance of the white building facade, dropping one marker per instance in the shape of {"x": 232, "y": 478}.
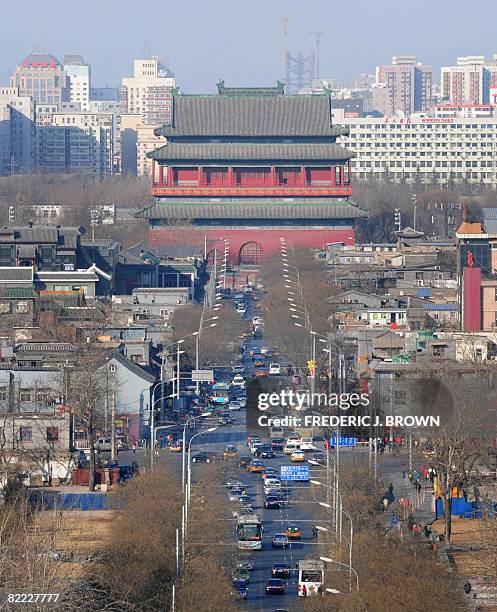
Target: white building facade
{"x": 78, "y": 75}
{"x": 420, "y": 149}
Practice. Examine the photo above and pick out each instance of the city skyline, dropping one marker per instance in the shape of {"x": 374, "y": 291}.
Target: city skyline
{"x": 384, "y": 30}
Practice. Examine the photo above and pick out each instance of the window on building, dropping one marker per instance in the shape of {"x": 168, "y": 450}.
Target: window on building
{"x": 112, "y": 367}
{"x": 25, "y": 434}
{"x": 22, "y": 308}
{"x": 52, "y": 434}
{"x": 25, "y": 395}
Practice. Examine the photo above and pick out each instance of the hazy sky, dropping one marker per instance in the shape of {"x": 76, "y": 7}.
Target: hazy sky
{"x": 241, "y": 41}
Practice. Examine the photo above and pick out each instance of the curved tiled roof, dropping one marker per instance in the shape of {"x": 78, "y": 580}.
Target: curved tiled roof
{"x": 242, "y": 116}
{"x": 254, "y": 210}
{"x": 253, "y": 152}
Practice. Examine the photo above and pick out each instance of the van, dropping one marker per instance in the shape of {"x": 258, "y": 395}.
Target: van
{"x": 103, "y": 444}
{"x": 306, "y": 444}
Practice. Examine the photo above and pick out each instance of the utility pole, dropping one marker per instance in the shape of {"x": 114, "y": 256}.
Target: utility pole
{"x": 113, "y": 428}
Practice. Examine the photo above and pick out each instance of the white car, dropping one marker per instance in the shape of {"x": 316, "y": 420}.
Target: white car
{"x": 265, "y": 350}
{"x": 242, "y": 401}
{"x": 234, "y": 405}
{"x": 241, "y": 310}
{"x": 238, "y": 381}
{"x": 306, "y": 444}
{"x": 257, "y": 321}
{"x": 274, "y": 369}
{"x": 272, "y": 483}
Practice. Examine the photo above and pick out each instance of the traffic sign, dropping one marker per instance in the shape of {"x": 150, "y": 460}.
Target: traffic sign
{"x": 343, "y": 441}
{"x": 203, "y": 375}
{"x": 294, "y": 472}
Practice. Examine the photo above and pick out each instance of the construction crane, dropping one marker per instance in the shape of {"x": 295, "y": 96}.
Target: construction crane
{"x": 317, "y": 33}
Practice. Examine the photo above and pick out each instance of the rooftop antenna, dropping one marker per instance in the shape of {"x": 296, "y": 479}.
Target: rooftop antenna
{"x": 317, "y": 34}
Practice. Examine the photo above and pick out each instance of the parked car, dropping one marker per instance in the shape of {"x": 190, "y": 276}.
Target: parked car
{"x": 103, "y": 445}
{"x": 202, "y": 457}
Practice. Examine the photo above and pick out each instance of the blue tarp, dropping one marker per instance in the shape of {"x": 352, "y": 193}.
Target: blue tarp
{"x": 49, "y": 500}
{"x": 461, "y": 507}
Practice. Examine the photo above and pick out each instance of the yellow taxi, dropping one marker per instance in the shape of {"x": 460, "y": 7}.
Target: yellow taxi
{"x": 176, "y": 447}
{"x": 293, "y": 532}
{"x": 297, "y": 456}
{"x": 260, "y": 373}
{"x": 256, "y": 466}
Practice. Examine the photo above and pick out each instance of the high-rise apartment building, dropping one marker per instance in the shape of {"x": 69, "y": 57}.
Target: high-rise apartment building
{"x": 16, "y": 132}
{"x": 76, "y": 141}
{"x": 409, "y": 84}
{"x": 146, "y": 104}
{"x": 148, "y": 92}
{"x": 78, "y": 80}
{"x": 470, "y": 81}
{"x": 41, "y": 76}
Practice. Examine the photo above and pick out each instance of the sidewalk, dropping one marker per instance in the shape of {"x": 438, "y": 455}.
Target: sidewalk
{"x": 420, "y": 505}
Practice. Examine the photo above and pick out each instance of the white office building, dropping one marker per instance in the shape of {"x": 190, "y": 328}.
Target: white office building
{"x": 423, "y": 149}
{"x": 78, "y": 75}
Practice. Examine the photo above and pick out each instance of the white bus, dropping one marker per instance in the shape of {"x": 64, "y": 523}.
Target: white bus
{"x": 249, "y": 532}
{"x": 311, "y": 577}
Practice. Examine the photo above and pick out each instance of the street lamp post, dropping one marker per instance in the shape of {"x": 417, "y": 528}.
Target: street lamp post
{"x": 351, "y": 569}
{"x": 183, "y": 467}
{"x": 342, "y": 512}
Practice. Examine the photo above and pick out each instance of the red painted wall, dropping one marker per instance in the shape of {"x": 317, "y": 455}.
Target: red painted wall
{"x": 472, "y": 307}
{"x": 269, "y": 239}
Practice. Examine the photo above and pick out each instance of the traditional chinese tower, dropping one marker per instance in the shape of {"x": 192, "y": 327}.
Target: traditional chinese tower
{"x": 248, "y": 167}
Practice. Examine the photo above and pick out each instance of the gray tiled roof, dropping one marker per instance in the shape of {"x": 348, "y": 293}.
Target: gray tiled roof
{"x": 256, "y": 151}
{"x": 255, "y": 210}
{"x": 43, "y": 234}
{"x": 285, "y": 116}
{"x": 16, "y": 274}
{"x": 75, "y": 276}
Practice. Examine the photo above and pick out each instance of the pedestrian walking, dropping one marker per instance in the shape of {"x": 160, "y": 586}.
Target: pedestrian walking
{"x": 315, "y": 533}
{"x": 390, "y": 489}
{"x": 385, "y": 504}
{"x": 418, "y": 487}
{"x": 304, "y": 590}
{"x": 134, "y": 447}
